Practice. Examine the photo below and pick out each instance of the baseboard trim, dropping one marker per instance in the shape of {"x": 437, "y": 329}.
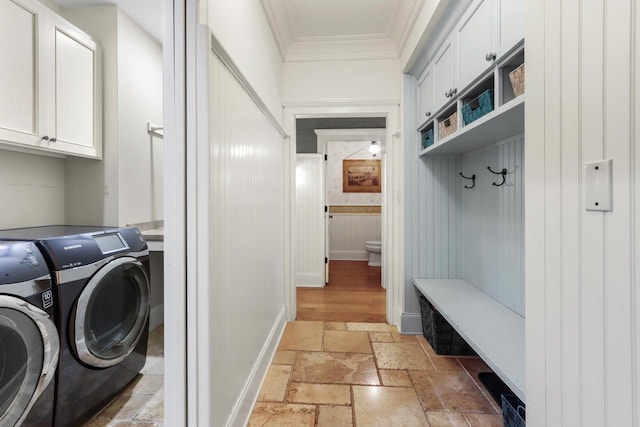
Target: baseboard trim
{"x": 156, "y": 316}
{"x": 246, "y": 401}
{"x": 411, "y": 323}
{"x": 309, "y": 280}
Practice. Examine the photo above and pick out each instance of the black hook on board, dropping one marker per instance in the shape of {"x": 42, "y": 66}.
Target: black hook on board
{"x": 472, "y": 178}
{"x": 503, "y": 172}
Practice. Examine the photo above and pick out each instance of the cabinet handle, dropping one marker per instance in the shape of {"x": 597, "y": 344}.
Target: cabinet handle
{"x": 45, "y": 138}
{"x": 490, "y": 56}
{"x": 428, "y": 113}
{"x": 53, "y": 140}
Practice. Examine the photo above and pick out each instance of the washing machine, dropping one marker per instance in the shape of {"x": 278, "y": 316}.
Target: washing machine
{"x": 101, "y": 295}
{"x": 29, "y": 344}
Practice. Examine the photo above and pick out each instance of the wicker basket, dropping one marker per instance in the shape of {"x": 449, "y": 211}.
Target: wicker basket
{"x": 427, "y": 138}
{"x": 513, "y": 411}
{"x": 517, "y": 80}
{"x": 448, "y": 126}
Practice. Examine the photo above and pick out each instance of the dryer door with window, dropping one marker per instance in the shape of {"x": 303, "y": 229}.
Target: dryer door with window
{"x": 29, "y": 348}
{"x": 111, "y": 313}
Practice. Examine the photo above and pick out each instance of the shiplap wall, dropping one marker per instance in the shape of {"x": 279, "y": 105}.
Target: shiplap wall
{"x": 583, "y": 317}
{"x": 434, "y": 226}
{"x": 241, "y": 221}
{"x": 310, "y": 234}
{"x": 440, "y": 231}
{"x": 348, "y": 234}
{"x": 493, "y": 243}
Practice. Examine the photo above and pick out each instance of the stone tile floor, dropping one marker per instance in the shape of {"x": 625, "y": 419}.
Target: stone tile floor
{"x": 334, "y": 374}
{"x": 141, "y": 404}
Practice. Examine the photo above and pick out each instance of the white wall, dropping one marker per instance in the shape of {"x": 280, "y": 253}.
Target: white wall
{"x": 243, "y": 30}
{"x": 348, "y": 234}
{"x": 583, "y": 303}
{"x": 240, "y": 164}
{"x": 306, "y": 82}
{"x": 337, "y": 152}
{"x": 32, "y": 190}
{"x": 140, "y": 156}
{"x": 127, "y": 186}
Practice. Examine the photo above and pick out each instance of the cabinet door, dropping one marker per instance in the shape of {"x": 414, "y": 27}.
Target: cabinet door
{"x": 475, "y": 41}
{"x": 510, "y": 28}
{"x": 20, "y": 80}
{"x": 425, "y": 95}
{"x": 77, "y": 92}
{"x": 444, "y": 74}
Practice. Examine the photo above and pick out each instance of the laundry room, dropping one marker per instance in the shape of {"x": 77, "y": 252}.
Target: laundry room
{"x": 81, "y": 165}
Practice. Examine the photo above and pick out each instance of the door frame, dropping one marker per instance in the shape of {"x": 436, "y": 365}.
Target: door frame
{"x": 392, "y": 204}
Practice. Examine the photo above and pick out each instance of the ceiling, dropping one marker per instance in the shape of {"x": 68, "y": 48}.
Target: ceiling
{"x": 147, "y": 13}
{"x": 307, "y": 30}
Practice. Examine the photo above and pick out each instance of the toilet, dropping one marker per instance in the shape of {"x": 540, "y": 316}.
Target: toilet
{"x": 375, "y": 253}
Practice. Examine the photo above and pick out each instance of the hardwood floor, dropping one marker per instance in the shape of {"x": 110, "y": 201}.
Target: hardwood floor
{"x": 354, "y": 294}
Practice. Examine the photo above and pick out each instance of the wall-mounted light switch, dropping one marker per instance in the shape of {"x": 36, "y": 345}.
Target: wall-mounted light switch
{"x": 598, "y": 185}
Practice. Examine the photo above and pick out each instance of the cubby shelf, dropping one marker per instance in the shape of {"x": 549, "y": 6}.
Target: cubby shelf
{"x": 505, "y": 121}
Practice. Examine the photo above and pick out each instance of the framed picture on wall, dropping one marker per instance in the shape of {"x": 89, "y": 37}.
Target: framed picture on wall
{"x": 361, "y": 176}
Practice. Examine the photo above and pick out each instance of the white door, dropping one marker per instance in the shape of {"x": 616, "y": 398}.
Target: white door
{"x": 425, "y": 95}
{"x": 510, "y": 29}
{"x": 76, "y": 123}
{"x": 444, "y": 74}
{"x": 474, "y": 42}
{"x": 310, "y": 221}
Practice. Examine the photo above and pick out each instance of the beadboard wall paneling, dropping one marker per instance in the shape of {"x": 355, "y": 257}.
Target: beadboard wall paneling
{"x": 493, "y": 249}
{"x": 440, "y": 221}
{"x": 583, "y": 319}
{"x": 348, "y": 234}
{"x": 241, "y": 224}
{"x": 310, "y": 235}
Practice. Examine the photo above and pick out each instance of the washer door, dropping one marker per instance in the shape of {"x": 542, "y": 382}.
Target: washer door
{"x": 29, "y": 348}
{"x": 111, "y": 313}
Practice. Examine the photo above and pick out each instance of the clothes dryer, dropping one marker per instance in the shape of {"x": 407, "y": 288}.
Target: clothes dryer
{"x": 29, "y": 344}
{"x": 101, "y": 294}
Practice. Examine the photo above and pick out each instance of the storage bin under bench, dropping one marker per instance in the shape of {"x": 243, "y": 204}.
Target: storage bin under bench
{"x": 495, "y": 332}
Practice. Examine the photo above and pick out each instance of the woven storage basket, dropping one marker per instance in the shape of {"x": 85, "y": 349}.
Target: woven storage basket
{"x": 478, "y": 107}
{"x": 440, "y": 334}
{"x": 427, "y": 138}
{"x": 513, "y": 411}
{"x": 517, "y": 80}
{"x": 448, "y": 126}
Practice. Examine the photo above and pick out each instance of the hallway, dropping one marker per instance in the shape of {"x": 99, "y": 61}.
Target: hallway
{"x": 334, "y": 374}
{"x": 354, "y": 294}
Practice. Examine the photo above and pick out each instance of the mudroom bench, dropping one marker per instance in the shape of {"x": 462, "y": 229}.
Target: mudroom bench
{"x": 494, "y": 331}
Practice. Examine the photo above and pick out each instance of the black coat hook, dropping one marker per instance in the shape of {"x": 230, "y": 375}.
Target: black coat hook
{"x": 503, "y": 172}
{"x": 472, "y": 178}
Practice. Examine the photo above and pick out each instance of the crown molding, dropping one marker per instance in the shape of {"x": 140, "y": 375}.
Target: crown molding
{"x": 341, "y": 50}
{"x": 386, "y": 45}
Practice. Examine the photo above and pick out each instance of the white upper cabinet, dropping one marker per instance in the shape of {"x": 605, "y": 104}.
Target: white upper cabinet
{"x": 510, "y": 28}
{"x": 475, "y": 37}
{"x": 77, "y": 121}
{"x": 425, "y": 95}
{"x": 444, "y": 70}
{"x": 20, "y": 79}
{"x": 50, "y": 79}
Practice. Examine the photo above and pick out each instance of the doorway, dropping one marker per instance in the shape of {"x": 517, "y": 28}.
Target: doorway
{"x": 390, "y": 264}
